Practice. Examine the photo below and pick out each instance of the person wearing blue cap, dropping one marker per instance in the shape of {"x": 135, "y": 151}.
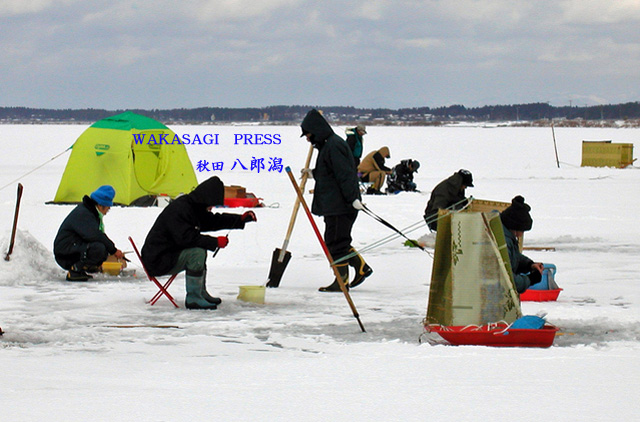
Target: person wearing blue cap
{"x": 81, "y": 245}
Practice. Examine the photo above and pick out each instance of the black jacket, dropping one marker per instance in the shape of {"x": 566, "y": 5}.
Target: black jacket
{"x": 520, "y": 264}
{"x": 82, "y": 226}
{"x": 180, "y": 225}
{"x": 444, "y": 195}
{"x": 336, "y": 179}
{"x": 401, "y": 177}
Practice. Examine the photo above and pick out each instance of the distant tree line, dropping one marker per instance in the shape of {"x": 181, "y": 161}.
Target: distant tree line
{"x": 293, "y": 114}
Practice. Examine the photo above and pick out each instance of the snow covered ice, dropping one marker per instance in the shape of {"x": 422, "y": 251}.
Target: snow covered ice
{"x": 97, "y": 351}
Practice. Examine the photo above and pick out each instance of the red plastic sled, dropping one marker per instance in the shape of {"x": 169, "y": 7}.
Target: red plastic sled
{"x": 531, "y": 295}
{"x": 249, "y": 202}
{"x": 495, "y": 335}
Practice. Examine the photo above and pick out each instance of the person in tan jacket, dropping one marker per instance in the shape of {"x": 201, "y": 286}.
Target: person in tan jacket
{"x": 373, "y": 170}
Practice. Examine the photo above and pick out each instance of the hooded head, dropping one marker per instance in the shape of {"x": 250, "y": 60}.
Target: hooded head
{"x": 315, "y": 125}
{"x": 415, "y": 165}
{"x": 384, "y": 151}
{"x": 209, "y": 193}
{"x": 516, "y": 216}
{"x": 104, "y": 195}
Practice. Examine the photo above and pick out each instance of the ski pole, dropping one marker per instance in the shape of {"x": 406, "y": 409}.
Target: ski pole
{"x": 324, "y": 248}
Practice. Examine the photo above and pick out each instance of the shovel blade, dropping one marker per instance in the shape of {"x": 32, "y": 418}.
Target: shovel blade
{"x": 277, "y": 267}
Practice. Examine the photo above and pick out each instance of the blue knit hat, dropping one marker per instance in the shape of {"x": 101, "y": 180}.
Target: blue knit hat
{"x": 104, "y": 195}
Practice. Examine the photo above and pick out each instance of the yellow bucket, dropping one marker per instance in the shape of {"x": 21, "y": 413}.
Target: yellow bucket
{"x": 253, "y": 294}
{"x": 111, "y": 268}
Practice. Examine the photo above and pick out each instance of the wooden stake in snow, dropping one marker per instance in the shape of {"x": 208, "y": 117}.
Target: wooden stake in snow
{"x": 15, "y": 224}
{"x": 553, "y": 132}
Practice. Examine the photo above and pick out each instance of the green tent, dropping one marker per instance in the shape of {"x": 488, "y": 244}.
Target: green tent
{"x": 139, "y": 156}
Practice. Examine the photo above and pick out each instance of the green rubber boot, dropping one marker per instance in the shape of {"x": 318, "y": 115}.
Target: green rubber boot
{"x": 194, "y": 299}
{"x": 206, "y": 295}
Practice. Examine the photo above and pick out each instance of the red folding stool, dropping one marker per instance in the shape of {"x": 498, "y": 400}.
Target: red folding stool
{"x": 163, "y": 288}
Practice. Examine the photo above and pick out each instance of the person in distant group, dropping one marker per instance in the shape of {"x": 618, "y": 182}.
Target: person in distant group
{"x": 355, "y": 139}
{"x": 175, "y": 242}
{"x": 515, "y": 221}
{"x": 372, "y": 169}
{"x": 450, "y": 193}
{"x": 401, "y": 177}
{"x": 81, "y": 245}
{"x": 336, "y": 197}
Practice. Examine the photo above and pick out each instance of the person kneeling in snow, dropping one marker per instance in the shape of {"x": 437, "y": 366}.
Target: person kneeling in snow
{"x": 401, "y": 177}
{"x": 515, "y": 221}
{"x": 175, "y": 243}
{"x": 81, "y": 246}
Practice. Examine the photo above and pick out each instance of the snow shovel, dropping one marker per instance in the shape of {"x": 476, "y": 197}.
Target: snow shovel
{"x": 326, "y": 250}
{"x": 281, "y": 256}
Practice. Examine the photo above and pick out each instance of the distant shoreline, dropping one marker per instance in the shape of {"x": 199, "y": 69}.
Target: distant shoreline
{"x": 534, "y": 114}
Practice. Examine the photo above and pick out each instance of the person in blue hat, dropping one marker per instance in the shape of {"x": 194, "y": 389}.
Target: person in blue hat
{"x": 81, "y": 245}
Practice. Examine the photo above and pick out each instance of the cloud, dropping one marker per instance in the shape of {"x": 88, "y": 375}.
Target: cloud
{"x": 10, "y": 8}
{"x": 235, "y": 10}
{"x": 403, "y": 53}
{"x": 590, "y": 12}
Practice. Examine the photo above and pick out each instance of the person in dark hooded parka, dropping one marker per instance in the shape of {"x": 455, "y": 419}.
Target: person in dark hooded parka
{"x": 336, "y": 196}
{"x": 175, "y": 242}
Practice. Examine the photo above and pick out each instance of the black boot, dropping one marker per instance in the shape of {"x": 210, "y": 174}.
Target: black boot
{"x": 343, "y": 270}
{"x": 77, "y": 276}
{"x": 362, "y": 269}
{"x": 78, "y": 272}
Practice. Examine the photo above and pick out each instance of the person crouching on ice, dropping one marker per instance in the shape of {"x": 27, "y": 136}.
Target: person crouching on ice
{"x": 515, "y": 221}
{"x": 175, "y": 243}
{"x": 81, "y": 246}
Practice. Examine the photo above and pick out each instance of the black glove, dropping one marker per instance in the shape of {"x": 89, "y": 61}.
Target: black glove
{"x": 535, "y": 277}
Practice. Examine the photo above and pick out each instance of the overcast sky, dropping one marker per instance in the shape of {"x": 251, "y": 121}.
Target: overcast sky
{"x": 118, "y": 54}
